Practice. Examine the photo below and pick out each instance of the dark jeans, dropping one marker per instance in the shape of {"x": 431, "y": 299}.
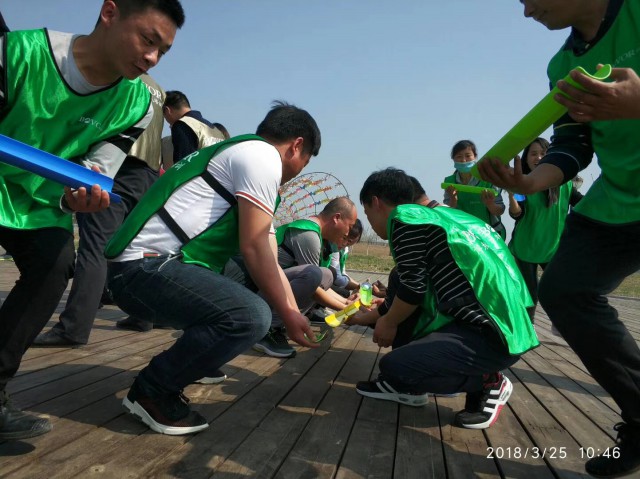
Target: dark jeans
{"x": 529, "y": 272}
{"x": 220, "y": 317}
{"x": 304, "y": 281}
{"x": 132, "y": 180}
{"x": 449, "y": 360}
{"x": 44, "y": 258}
{"x": 591, "y": 261}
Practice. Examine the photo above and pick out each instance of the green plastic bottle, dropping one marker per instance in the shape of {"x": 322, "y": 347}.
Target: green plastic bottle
{"x": 366, "y": 292}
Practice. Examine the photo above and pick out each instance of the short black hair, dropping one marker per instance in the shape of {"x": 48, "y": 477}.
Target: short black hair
{"x": 171, "y": 8}
{"x": 463, "y": 145}
{"x": 418, "y": 190}
{"x": 391, "y": 185}
{"x": 356, "y": 230}
{"x": 176, "y": 99}
{"x": 286, "y": 122}
{"x": 222, "y": 129}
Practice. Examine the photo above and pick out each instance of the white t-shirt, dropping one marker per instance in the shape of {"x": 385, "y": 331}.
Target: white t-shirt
{"x": 251, "y": 170}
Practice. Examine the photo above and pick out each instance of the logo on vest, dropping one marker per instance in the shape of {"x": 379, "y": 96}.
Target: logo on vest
{"x": 90, "y": 121}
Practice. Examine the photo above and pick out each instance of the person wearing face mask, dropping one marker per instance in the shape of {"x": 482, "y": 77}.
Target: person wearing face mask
{"x": 539, "y": 220}
{"x": 485, "y": 206}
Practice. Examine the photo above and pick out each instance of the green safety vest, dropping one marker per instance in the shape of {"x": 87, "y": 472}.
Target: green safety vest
{"x": 614, "y": 197}
{"x": 305, "y": 225}
{"x": 212, "y": 247}
{"x": 536, "y": 235}
{"x": 472, "y": 203}
{"x": 42, "y": 111}
{"x": 486, "y": 262}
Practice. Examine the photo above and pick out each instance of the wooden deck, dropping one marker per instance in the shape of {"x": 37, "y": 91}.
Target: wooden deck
{"x": 301, "y": 417}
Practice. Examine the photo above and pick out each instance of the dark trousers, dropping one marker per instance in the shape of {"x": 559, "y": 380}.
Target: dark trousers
{"x": 44, "y": 258}
{"x": 132, "y": 180}
{"x": 452, "y": 359}
{"x": 591, "y": 261}
{"x": 220, "y": 318}
{"x": 529, "y": 272}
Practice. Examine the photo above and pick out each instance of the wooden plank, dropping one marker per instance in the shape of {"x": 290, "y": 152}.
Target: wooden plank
{"x": 171, "y": 455}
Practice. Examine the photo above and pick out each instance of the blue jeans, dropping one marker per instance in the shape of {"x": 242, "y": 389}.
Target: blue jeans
{"x": 220, "y": 318}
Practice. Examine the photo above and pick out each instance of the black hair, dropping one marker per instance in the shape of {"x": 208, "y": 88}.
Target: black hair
{"x": 171, "y": 8}
{"x": 418, "y": 190}
{"x": 286, "y": 122}
{"x": 176, "y": 99}
{"x": 463, "y": 145}
{"x": 222, "y": 129}
{"x": 356, "y": 230}
{"x": 525, "y": 164}
{"x": 391, "y": 185}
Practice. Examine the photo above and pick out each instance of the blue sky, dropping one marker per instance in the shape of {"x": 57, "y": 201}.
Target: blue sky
{"x": 389, "y": 83}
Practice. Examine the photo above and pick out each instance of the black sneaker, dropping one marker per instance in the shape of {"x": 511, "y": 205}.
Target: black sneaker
{"x": 134, "y": 324}
{"x": 621, "y": 459}
{"x": 167, "y": 414}
{"x": 16, "y": 424}
{"x": 481, "y": 409}
{"x": 380, "y": 389}
{"x": 215, "y": 378}
{"x": 275, "y": 344}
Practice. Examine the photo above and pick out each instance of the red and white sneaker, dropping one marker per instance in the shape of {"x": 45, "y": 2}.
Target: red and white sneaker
{"x": 481, "y": 409}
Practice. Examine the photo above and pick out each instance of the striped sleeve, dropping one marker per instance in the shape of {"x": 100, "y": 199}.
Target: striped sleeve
{"x": 109, "y": 154}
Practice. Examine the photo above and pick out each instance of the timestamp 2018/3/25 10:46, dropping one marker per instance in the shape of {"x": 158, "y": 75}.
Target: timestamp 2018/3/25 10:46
{"x": 561, "y": 452}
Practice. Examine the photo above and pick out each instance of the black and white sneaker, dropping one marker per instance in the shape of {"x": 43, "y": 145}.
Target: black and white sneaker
{"x": 481, "y": 409}
{"x": 167, "y": 414}
{"x": 622, "y": 458}
{"x": 382, "y": 390}
{"x": 275, "y": 344}
{"x": 216, "y": 378}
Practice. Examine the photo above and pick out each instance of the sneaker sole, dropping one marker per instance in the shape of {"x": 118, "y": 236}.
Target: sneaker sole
{"x": 405, "y": 399}
{"x": 212, "y": 380}
{"x": 502, "y": 400}
{"x": 138, "y": 411}
{"x": 13, "y": 436}
{"x": 263, "y": 349}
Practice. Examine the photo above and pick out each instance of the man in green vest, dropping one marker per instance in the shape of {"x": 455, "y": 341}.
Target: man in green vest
{"x": 78, "y": 97}
{"x": 472, "y": 299}
{"x": 167, "y": 261}
{"x": 599, "y": 245}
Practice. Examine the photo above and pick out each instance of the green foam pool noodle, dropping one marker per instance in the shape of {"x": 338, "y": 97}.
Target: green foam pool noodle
{"x": 534, "y": 123}
{"x": 468, "y": 188}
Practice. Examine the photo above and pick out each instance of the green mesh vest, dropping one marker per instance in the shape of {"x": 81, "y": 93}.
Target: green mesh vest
{"x": 306, "y": 225}
{"x": 216, "y": 244}
{"x": 614, "y": 197}
{"x": 489, "y": 267}
{"x": 42, "y": 111}
{"x": 536, "y": 236}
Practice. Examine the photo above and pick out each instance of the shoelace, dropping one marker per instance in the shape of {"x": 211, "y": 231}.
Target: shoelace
{"x": 279, "y": 338}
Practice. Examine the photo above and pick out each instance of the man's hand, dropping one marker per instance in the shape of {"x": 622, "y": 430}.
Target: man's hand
{"x": 81, "y": 201}
{"x": 385, "y": 332}
{"x": 297, "y": 327}
{"x": 615, "y": 100}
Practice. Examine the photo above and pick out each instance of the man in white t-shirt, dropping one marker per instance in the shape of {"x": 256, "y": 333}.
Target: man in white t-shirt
{"x": 168, "y": 256}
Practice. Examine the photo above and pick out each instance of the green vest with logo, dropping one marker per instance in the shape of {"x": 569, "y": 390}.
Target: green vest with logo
{"x": 213, "y": 246}
{"x": 536, "y": 235}
{"x": 305, "y": 225}
{"x": 42, "y": 111}
{"x": 614, "y": 197}
{"x": 486, "y": 263}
